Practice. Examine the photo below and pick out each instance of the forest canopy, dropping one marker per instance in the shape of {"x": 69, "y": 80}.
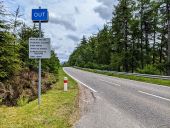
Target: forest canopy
{"x": 135, "y": 40}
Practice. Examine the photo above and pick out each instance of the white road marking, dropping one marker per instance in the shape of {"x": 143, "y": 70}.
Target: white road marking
{"x": 79, "y": 81}
{"x": 155, "y": 96}
{"x": 110, "y": 82}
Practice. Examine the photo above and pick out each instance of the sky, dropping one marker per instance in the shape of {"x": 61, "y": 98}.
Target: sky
{"x": 69, "y": 20}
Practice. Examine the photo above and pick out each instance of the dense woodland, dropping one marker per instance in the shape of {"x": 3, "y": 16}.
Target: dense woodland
{"x": 135, "y": 40}
{"x": 18, "y": 73}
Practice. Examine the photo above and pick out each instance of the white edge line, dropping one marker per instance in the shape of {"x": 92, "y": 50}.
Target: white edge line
{"x": 110, "y": 82}
{"x": 154, "y": 96}
{"x": 79, "y": 81}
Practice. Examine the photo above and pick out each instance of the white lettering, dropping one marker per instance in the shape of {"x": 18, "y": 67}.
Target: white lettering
{"x": 39, "y": 14}
{"x": 35, "y": 14}
{"x": 43, "y": 14}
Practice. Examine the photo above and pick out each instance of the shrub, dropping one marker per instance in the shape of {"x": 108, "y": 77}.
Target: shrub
{"x": 149, "y": 69}
{"x": 22, "y": 101}
{"x": 9, "y": 61}
{"x": 91, "y": 65}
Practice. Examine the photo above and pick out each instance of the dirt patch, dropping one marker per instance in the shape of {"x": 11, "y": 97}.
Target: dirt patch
{"x": 23, "y": 86}
{"x": 86, "y": 98}
{"x": 76, "y": 113}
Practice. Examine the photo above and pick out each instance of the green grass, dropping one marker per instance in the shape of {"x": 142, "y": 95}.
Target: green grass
{"x": 131, "y": 77}
{"x": 57, "y": 109}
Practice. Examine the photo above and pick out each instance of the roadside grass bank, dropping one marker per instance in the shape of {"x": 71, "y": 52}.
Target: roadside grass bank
{"x": 131, "y": 77}
{"x": 58, "y": 109}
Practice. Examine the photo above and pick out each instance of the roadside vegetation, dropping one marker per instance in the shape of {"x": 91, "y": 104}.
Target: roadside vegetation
{"x": 134, "y": 40}
{"x": 58, "y": 109}
{"x": 131, "y": 77}
{"x": 18, "y": 73}
{"x": 19, "y": 79}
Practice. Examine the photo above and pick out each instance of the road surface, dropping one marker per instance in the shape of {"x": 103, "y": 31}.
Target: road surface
{"x": 122, "y": 103}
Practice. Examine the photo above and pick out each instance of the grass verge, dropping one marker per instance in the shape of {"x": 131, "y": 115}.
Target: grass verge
{"x": 56, "y": 110}
{"x": 131, "y": 77}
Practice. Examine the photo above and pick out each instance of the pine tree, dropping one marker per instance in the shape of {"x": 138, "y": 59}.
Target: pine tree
{"x": 9, "y": 62}
{"x": 168, "y": 20}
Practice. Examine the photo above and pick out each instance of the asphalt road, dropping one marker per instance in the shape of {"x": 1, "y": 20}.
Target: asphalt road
{"x": 122, "y": 103}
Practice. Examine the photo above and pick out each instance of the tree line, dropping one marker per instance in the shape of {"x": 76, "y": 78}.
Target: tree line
{"x": 137, "y": 39}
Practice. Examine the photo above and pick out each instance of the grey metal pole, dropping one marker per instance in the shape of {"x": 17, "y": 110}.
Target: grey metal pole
{"x": 39, "y": 72}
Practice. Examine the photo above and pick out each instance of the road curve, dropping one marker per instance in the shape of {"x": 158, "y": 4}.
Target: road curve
{"x": 123, "y": 103}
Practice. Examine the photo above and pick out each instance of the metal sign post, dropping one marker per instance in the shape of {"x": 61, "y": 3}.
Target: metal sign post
{"x": 39, "y": 47}
{"x": 39, "y": 72}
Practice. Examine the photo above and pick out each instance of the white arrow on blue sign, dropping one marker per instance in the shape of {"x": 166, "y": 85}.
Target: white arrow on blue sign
{"x": 39, "y": 15}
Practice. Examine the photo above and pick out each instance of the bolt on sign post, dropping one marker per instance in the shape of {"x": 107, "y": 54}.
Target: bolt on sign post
{"x": 39, "y": 48}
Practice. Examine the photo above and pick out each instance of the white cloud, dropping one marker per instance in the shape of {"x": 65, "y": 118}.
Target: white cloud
{"x": 105, "y": 8}
{"x": 104, "y": 12}
{"x": 69, "y": 20}
{"x": 107, "y": 2}
{"x": 73, "y": 37}
{"x": 77, "y": 10}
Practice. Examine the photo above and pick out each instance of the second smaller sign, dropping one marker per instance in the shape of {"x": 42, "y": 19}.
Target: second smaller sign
{"x": 39, "y": 48}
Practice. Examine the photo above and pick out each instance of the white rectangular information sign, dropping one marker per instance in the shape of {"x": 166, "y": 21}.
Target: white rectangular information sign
{"x": 39, "y": 48}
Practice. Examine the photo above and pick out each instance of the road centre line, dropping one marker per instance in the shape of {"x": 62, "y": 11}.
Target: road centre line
{"x": 109, "y": 82}
{"x": 149, "y": 94}
{"x": 79, "y": 81}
